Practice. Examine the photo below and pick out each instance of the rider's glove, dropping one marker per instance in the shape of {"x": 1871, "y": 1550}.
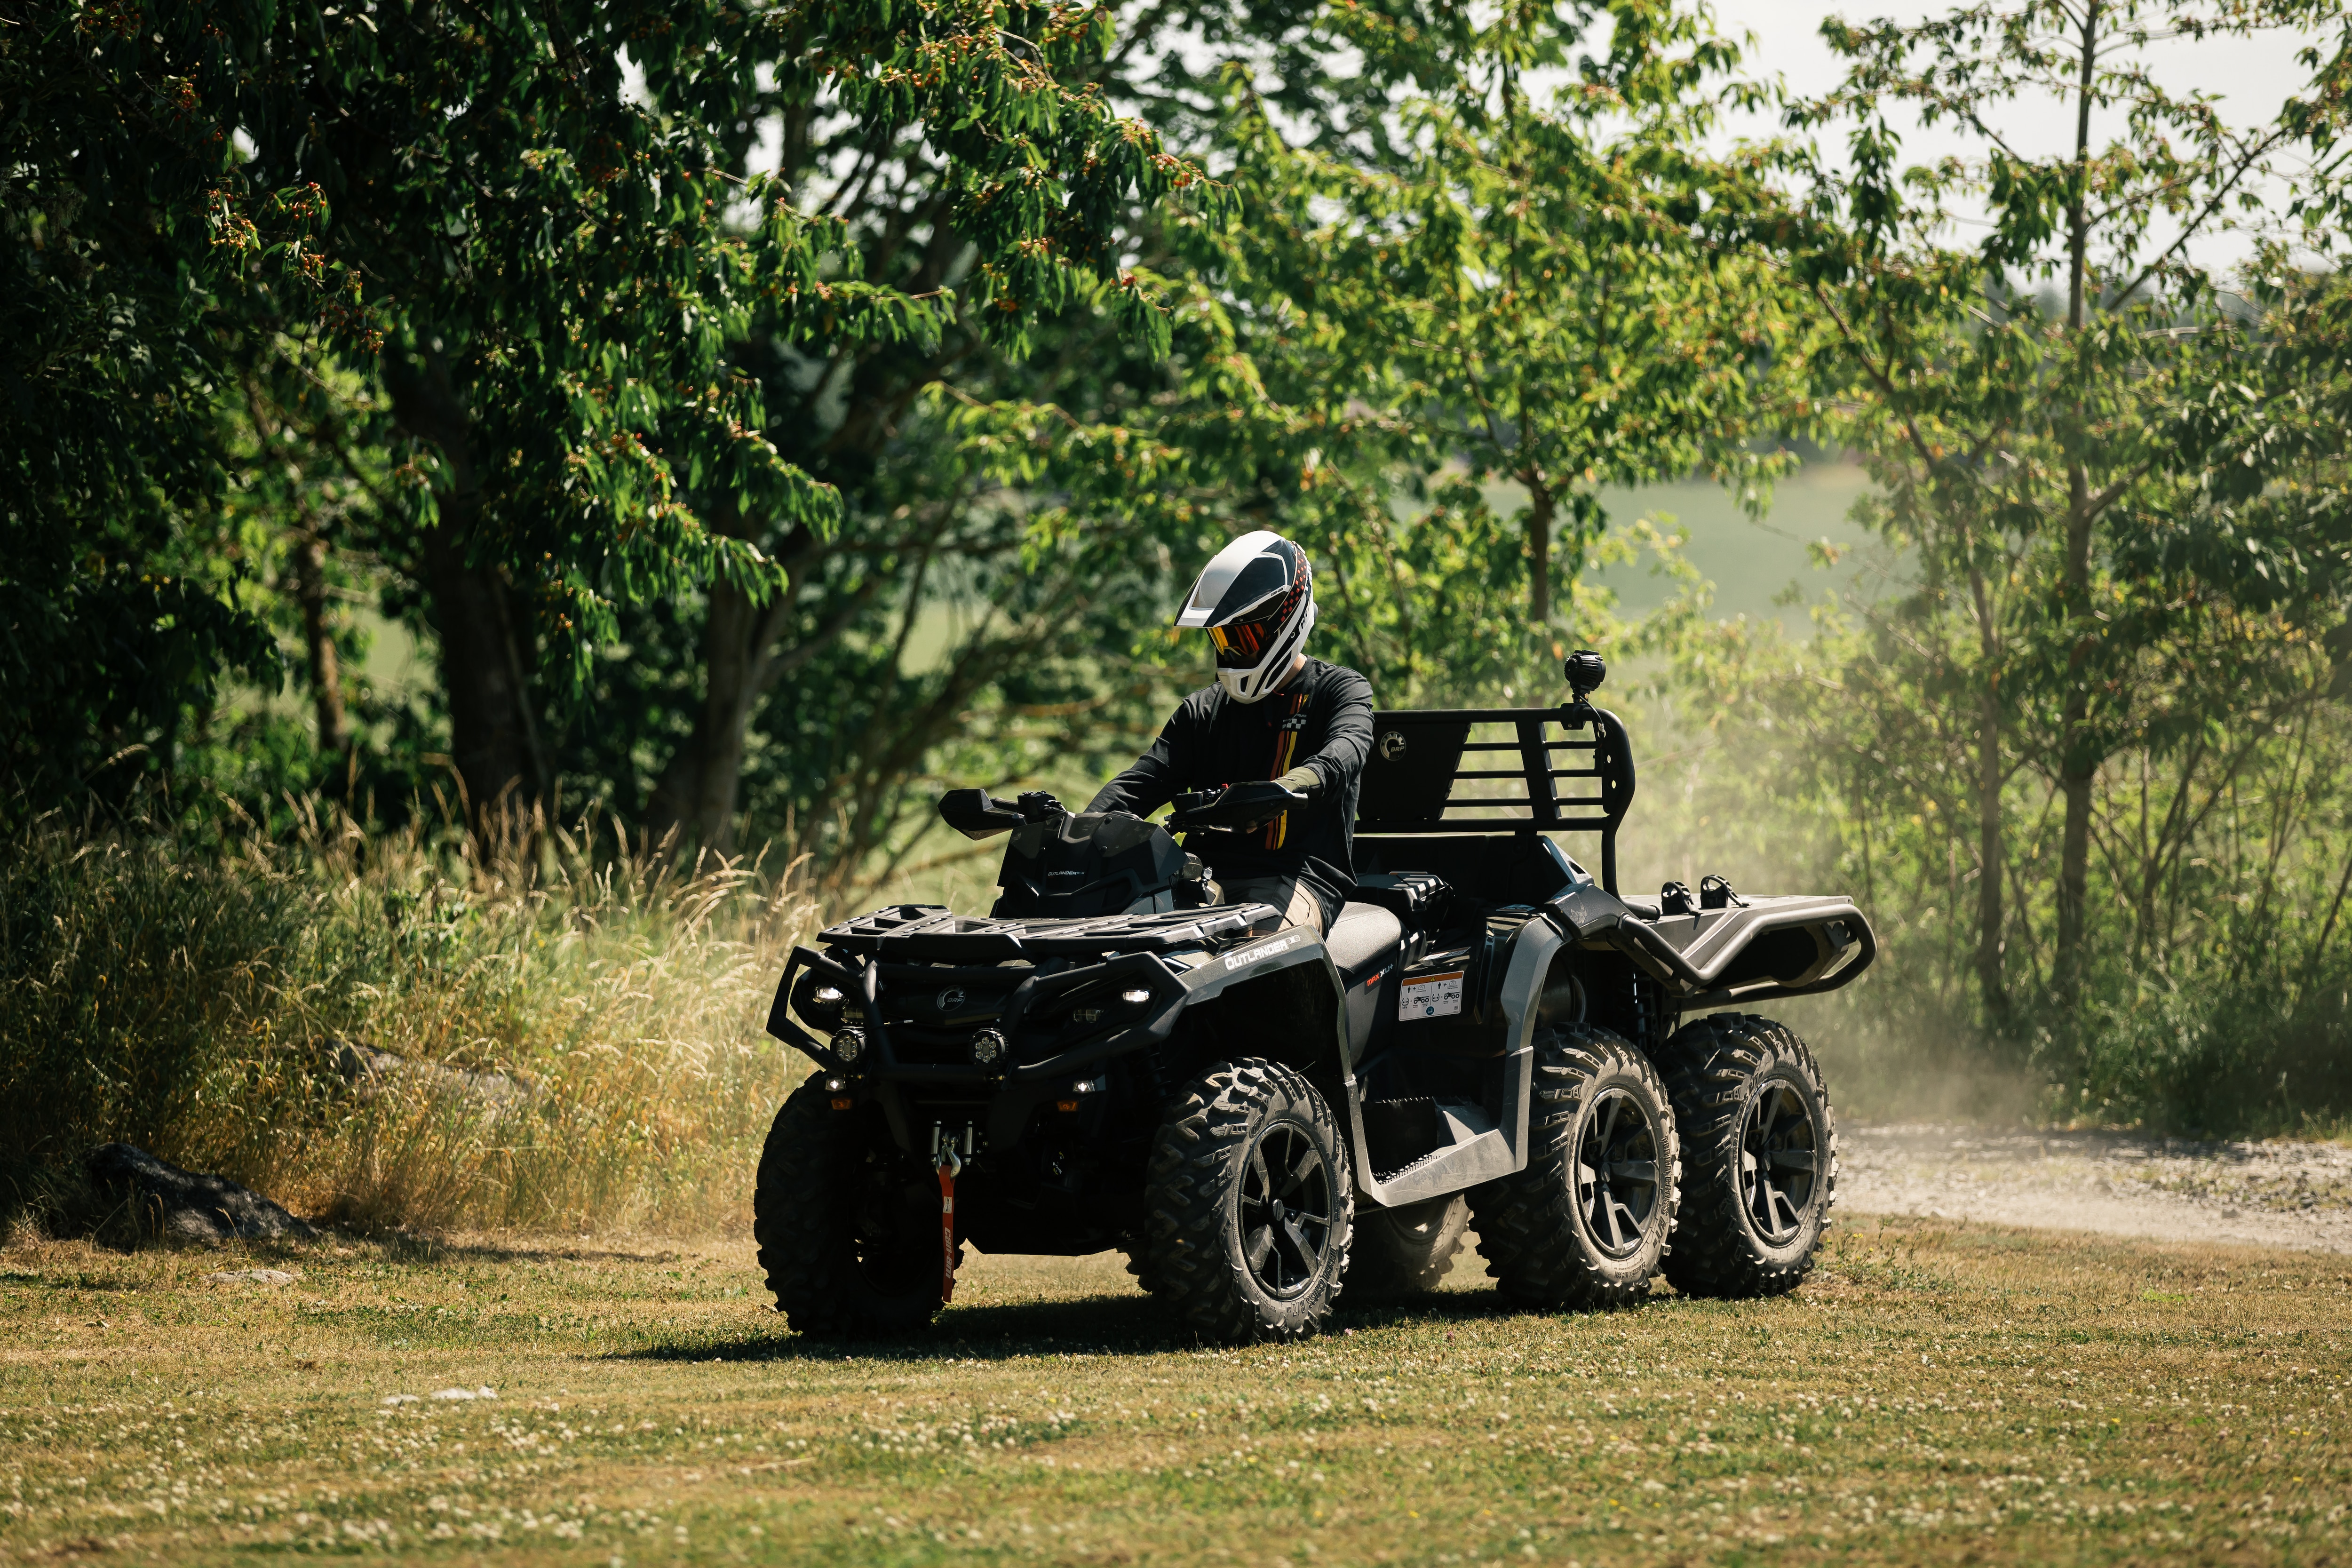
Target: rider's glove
{"x": 1303, "y": 781}
{"x": 1258, "y": 800}
{"x": 1038, "y": 806}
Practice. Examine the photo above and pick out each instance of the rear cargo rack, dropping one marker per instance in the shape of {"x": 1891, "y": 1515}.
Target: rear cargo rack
{"x": 1418, "y": 759}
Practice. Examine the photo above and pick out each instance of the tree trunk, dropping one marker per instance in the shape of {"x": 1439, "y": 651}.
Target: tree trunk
{"x": 1991, "y": 859}
{"x": 1540, "y": 511}
{"x": 2077, "y": 764}
{"x": 493, "y": 739}
{"x": 2078, "y": 760}
{"x": 318, "y": 645}
{"x": 697, "y": 789}
{"x": 493, "y": 735}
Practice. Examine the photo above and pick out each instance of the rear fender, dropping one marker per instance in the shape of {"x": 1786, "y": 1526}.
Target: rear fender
{"x": 1759, "y": 951}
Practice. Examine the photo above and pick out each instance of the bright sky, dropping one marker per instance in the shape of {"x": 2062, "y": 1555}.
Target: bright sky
{"x": 2251, "y": 76}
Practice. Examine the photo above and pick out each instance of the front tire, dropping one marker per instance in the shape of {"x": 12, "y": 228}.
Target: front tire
{"x": 1762, "y": 1145}
{"x": 1247, "y": 1205}
{"x": 1403, "y": 1251}
{"x": 848, "y": 1226}
{"x": 1585, "y": 1224}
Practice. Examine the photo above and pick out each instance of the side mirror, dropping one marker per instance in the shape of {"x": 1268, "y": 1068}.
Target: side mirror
{"x": 1586, "y": 671}
{"x": 971, "y": 812}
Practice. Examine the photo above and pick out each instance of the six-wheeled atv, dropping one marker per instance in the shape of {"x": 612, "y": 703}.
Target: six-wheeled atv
{"x": 1487, "y": 1037}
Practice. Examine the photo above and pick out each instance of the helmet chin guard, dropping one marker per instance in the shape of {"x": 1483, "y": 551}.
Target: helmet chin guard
{"x": 1256, "y": 600}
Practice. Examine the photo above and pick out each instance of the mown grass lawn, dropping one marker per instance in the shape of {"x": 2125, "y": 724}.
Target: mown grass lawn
{"x": 1937, "y": 1394}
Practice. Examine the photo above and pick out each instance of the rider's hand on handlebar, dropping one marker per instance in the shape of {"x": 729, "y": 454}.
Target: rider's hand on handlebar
{"x": 1245, "y": 805}
{"x": 1260, "y": 801}
{"x": 1038, "y": 806}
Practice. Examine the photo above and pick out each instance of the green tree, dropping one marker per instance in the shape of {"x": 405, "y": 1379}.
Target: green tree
{"x": 2268, "y": 532}
{"x": 921, "y": 530}
{"x": 549, "y": 269}
{"x": 116, "y": 615}
{"x": 2014, "y": 438}
{"x": 955, "y": 456}
{"x": 1480, "y": 291}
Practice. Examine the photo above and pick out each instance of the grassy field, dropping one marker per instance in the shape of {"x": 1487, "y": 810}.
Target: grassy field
{"x": 1936, "y": 1395}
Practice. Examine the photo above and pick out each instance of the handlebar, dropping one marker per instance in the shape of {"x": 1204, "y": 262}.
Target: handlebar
{"x": 1237, "y": 805}
{"x": 975, "y": 814}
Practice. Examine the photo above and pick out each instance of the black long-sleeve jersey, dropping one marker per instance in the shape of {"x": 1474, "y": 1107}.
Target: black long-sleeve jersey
{"x": 1321, "y": 720}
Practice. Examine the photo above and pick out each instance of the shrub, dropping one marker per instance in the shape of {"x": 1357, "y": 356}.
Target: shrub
{"x": 390, "y": 1029}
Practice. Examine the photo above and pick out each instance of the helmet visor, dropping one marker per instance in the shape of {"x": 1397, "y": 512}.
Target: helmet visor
{"x": 1242, "y": 643}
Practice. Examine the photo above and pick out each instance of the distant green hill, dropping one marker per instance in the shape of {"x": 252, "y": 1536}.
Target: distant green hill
{"x": 1750, "y": 563}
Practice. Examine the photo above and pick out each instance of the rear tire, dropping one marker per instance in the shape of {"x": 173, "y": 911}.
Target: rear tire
{"x": 1401, "y": 1251}
{"x": 1247, "y": 1205}
{"x": 848, "y": 1226}
{"x": 1585, "y": 1222}
{"x": 1761, "y": 1146}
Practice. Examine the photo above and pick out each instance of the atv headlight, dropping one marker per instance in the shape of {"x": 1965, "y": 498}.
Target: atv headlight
{"x": 1136, "y": 995}
{"x": 848, "y": 1045}
{"x": 818, "y": 999}
{"x": 987, "y": 1047}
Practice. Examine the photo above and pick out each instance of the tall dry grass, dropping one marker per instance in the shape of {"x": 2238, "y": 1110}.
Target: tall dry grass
{"x": 389, "y": 1029}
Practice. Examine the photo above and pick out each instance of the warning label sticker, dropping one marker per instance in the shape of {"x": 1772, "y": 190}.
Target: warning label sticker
{"x": 1431, "y": 996}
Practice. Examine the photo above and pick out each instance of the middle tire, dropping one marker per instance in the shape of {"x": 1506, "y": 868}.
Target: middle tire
{"x": 1247, "y": 1205}
{"x": 1401, "y": 1251}
{"x": 1585, "y": 1224}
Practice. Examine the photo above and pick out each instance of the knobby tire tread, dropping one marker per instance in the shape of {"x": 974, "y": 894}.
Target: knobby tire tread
{"x": 1185, "y": 1263}
{"x": 1711, "y": 1065}
{"x": 1526, "y": 1222}
{"x": 803, "y": 1250}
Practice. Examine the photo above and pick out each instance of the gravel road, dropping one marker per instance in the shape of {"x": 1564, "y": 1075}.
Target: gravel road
{"x": 2276, "y": 1193}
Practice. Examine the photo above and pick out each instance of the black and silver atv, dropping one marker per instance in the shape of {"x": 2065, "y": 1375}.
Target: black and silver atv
{"x": 1488, "y": 1038}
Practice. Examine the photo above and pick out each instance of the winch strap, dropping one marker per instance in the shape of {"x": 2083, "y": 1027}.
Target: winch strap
{"x": 950, "y": 1165}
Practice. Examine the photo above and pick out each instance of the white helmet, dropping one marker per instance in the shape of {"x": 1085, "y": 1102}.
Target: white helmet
{"x": 1257, "y": 600}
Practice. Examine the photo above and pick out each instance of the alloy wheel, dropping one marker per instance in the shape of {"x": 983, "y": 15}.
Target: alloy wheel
{"x": 1779, "y": 1160}
{"x": 1286, "y": 1209}
{"x": 1617, "y": 1173}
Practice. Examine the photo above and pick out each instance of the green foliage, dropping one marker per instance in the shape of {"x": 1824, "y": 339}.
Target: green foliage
{"x": 214, "y": 1003}
{"x": 552, "y": 273}
{"x": 2061, "y": 720}
{"x": 112, "y": 617}
{"x": 1472, "y": 293}
{"x": 564, "y": 272}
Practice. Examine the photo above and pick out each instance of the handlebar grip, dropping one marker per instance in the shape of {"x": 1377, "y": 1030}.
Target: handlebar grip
{"x": 1261, "y": 800}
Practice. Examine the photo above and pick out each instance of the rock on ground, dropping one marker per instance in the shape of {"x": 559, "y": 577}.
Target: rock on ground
{"x": 170, "y": 1202}
{"x": 367, "y": 1070}
{"x": 2276, "y": 1193}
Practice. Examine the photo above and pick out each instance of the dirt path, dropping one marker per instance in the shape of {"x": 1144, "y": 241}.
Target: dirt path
{"x": 2277, "y": 1194}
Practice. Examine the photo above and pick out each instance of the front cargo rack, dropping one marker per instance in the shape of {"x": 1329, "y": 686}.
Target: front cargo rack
{"x": 931, "y": 934}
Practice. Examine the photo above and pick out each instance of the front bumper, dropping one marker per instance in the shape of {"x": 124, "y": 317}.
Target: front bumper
{"x": 1046, "y": 1054}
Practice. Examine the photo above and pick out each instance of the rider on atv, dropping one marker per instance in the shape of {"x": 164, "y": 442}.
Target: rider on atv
{"x": 1277, "y": 724}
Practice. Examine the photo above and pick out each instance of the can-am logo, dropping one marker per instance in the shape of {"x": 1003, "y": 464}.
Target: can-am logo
{"x": 1393, "y": 745}
{"x": 951, "y": 1000}
{"x": 1264, "y": 950}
